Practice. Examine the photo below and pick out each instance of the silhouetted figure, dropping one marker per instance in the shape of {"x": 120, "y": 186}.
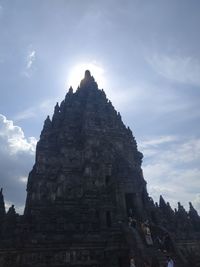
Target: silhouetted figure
{"x": 132, "y": 222}
{"x": 130, "y": 212}
{"x": 158, "y": 243}
{"x": 167, "y": 243}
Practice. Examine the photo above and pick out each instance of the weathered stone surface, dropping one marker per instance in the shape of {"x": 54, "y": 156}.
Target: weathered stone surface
{"x": 85, "y": 183}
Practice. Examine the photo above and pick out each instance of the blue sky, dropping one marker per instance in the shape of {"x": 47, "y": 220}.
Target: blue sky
{"x": 145, "y": 54}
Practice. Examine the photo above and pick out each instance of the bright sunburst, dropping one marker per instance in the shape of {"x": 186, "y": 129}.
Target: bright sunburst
{"x": 78, "y": 71}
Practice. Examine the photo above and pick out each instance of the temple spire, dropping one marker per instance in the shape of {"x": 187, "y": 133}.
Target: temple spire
{"x": 88, "y": 81}
{"x": 162, "y": 203}
{"x": 47, "y": 126}
{"x": 87, "y": 74}
{"x": 192, "y": 212}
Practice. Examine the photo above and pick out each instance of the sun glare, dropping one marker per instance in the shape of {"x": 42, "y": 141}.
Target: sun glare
{"x": 78, "y": 71}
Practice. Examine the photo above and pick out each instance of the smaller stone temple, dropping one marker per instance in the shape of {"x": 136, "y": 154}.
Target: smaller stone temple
{"x": 87, "y": 203}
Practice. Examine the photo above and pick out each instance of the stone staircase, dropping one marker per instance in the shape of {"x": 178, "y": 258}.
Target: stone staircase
{"x": 136, "y": 244}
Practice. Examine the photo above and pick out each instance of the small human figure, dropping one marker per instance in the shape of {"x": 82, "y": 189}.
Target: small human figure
{"x": 158, "y": 243}
{"x": 133, "y": 223}
{"x": 170, "y": 262}
{"x": 147, "y": 234}
{"x": 130, "y": 212}
{"x": 167, "y": 243}
{"x": 129, "y": 221}
{"x": 132, "y": 262}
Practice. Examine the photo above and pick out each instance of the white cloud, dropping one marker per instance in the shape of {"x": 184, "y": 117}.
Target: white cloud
{"x": 174, "y": 149}
{"x": 12, "y": 138}
{"x": 44, "y": 107}
{"x": 25, "y": 114}
{"x": 30, "y": 59}
{"x": 17, "y": 157}
{"x": 157, "y": 141}
{"x": 23, "y": 179}
{"x": 180, "y": 69}
{"x": 170, "y": 168}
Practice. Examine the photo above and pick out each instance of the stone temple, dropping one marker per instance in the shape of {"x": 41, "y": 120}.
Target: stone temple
{"x": 84, "y": 187}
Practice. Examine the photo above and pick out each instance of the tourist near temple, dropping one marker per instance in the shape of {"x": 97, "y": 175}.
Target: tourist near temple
{"x": 87, "y": 202}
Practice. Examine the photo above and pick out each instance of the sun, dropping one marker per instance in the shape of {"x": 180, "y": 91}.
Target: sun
{"x": 77, "y": 74}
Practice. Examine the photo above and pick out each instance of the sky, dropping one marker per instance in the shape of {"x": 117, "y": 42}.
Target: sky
{"x": 144, "y": 54}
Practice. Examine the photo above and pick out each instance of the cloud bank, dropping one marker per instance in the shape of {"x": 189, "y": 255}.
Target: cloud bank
{"x": 171, "y": 169}
{"x": 182, "y": 69}
{"x": 17, "y": 156}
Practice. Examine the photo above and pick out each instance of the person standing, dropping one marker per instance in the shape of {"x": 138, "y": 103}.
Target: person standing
{"x": 147, "y": 234}
{"x": 132, "y": 262}
{"x": 170, "y": 262}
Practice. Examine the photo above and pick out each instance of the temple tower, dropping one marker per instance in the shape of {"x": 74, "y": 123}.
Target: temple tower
{"x": 86, "y": 182}
{"x": 87, "y": 163}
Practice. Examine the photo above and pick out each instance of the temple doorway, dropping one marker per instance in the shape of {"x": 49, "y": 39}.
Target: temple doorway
{"x": 130, "y": 207}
